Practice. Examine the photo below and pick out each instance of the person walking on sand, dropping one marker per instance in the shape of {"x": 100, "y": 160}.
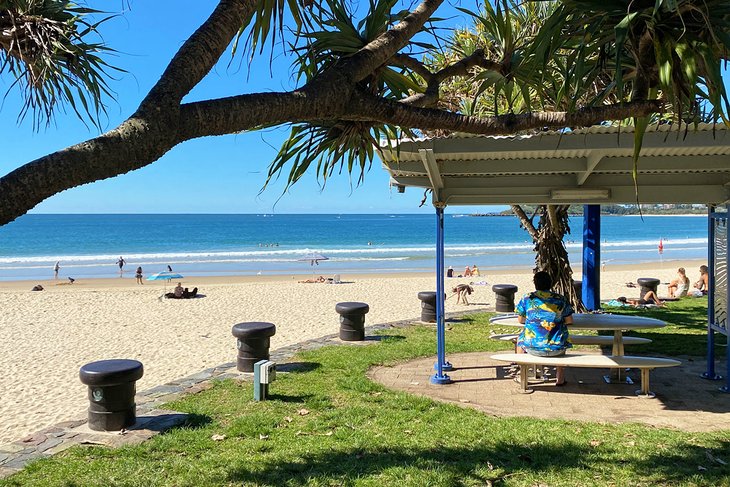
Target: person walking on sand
{"x": 138, "y": 275}
{"x": 121, "y": 263}
{"x": 56, "y": 268}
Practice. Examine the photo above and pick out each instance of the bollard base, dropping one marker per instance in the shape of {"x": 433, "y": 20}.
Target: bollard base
{"x": 112, "y": 420}
{"x": 440, "y": 380}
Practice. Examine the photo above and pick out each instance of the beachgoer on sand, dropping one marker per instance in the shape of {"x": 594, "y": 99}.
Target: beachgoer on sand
{"x": 178, "y": 291}
{"x": 702, "y": 286}
{"x": 121, "y": 263}
{"x": 649, "y": 298}
{"x": 467, "y": 272}
{"x": 475, "y": 271}
{"x": 56, "y": 268}
{"x": 138, "y": 275}
{"x": 679, "y": 287}
{"x": 310, "y": 281}
{"x": 462, "y": 291}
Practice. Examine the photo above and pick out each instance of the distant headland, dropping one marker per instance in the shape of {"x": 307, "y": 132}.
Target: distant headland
{"x": 577, "y": 210}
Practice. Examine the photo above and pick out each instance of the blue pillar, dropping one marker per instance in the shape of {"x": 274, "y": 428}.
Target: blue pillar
{"x": 440, "y": 376}
{"x": 710, "y": 372}
{"x": 592, "y": 256}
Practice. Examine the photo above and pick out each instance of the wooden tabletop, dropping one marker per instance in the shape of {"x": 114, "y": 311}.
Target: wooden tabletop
{"x": 589, "y": 321}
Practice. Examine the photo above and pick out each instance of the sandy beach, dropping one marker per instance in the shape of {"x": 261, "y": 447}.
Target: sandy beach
{"x": 48, "y": 335}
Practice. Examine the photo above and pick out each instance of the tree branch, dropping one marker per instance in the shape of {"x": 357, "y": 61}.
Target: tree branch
{"x": 406, "y": 61}
{"x": 365, "y": 107}
{"x": 197, "y": 56}
{"x": 525, "y": 221}
{"x": 377, "y": 52}
{"x": 431, "y": 95}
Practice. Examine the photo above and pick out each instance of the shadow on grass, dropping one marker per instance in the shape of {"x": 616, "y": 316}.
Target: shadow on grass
{"x": 195, "y": 421}
{"x": 384, "y": 338}
{"x": 477, "y": 465}
{"x": 289, "y": 398}
{"x": 297, "y": 367}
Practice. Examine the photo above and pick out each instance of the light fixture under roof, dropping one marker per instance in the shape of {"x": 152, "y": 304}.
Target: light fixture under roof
{"x": 581, "y": 194}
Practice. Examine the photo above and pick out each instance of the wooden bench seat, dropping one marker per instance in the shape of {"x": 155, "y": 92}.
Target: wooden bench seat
{"x": 603, "y": 340}
{"x": 645, "y": 364}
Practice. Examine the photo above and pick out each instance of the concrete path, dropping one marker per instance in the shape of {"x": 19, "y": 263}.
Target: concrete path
{"x": 683, "y": 400}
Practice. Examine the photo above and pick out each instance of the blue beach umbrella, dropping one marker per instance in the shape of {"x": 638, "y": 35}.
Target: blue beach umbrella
{"x": 166, "y": 276}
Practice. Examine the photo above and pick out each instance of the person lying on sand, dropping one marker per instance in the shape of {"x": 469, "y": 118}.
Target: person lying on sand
{"x": 309, "y": 281}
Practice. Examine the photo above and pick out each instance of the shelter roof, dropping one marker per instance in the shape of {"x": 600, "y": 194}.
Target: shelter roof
{"x": 592, "y": 165}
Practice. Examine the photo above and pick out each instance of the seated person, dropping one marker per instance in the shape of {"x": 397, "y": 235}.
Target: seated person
{"x": 467, "y": 272}
{"x": 703, "y": 285}
{"x": 545, "y": 315}
{"x": 178, "y": 291}
{"x": 462, "y": 290}
{"x": 679, "y": 287}
{"x": 475, "y": 271}
{"x": 649, "y": 298}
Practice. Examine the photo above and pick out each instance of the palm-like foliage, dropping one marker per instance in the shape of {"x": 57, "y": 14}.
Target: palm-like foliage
{"x": 345, "y": 145}
{"x": 671, "y": 48}
{"x": 44, "y": 47}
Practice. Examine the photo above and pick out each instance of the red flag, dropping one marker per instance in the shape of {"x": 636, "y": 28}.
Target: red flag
{"x": 661, "y": 246}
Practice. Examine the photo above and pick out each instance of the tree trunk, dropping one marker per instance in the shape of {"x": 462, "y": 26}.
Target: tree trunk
{"x": 551, "y": 255}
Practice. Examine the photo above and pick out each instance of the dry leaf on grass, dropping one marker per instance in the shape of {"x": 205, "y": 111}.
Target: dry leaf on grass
{"x": 288, "y": 419}
{"x": 595, "y": 442}
{"x": 218, "y": 437}
{"x": 263, "y": 437}
{"x": 302, "y": 412}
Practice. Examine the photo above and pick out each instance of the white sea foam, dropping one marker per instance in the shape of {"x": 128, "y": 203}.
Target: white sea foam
{"x": 351, "y": 254}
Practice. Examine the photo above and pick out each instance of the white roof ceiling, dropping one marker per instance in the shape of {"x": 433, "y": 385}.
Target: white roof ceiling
{"x": 592, "y": 165}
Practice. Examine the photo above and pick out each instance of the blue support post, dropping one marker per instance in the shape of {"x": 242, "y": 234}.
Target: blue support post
{"x": 591, "y": 295}
{"x": 441, "y": 364}
{"x": 710, "y": 372}
{"x": 726, "y": 387}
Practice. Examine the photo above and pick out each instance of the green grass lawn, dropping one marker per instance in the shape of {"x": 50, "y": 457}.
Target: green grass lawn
{"x": 328, "y": 425}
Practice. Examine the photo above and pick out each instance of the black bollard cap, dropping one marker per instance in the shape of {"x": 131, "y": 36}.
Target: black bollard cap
{"x": 111, "y": 372}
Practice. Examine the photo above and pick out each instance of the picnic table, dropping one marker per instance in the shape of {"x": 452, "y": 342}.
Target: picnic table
{"x": 598, "y": 322}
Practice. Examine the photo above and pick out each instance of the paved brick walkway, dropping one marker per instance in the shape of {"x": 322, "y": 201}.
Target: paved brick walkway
{"x": 683, "y": 400}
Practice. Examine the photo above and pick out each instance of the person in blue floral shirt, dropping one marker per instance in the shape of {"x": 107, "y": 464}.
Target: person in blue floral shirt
{"x": 545, "y": 315}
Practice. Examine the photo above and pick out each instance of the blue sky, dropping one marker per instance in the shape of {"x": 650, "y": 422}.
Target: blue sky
{"x": 212, "y": 175}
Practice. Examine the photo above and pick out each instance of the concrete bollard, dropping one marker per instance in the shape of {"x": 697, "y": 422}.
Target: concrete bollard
{"x": 505, "y": 294}
{"x": 252, "y": 341}
{"x": 428, "y": 306}
{"x": 352, "y": 320}
{"x": 111, "y": 393}
{"x": 647, "y": 284}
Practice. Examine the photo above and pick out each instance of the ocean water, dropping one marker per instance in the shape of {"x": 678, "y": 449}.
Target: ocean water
{"x": 88, "y": 246}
